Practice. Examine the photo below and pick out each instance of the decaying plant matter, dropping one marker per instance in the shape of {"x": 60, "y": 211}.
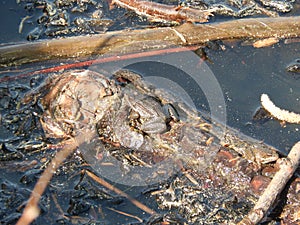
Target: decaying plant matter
{"x": 157, "y": 12}
{"x": 215, "y": 178}
{"x": 119, "y": 125}
{"x": 167, "y": 13}
{"x": 287, "y": 166}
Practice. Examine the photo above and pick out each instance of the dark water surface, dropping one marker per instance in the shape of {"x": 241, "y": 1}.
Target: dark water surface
{"x": 243, "y": 72}
{"x": 11, "y": 14}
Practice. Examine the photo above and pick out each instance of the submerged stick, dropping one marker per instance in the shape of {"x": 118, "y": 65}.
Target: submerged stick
{"x": 129, "y": 41}
{"x": 32, "y": 211}
{"x": 121, "y": 193}
{"x": 287, "y": 166}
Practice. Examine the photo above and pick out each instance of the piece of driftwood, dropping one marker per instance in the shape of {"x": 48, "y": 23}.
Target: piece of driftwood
{"x": 158, "y": 12}
{"x": 129, "y": 41}
{"x": 287, "y": 167}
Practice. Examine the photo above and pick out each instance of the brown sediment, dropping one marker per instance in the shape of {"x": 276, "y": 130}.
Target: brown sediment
{"x": 259, "y": 183}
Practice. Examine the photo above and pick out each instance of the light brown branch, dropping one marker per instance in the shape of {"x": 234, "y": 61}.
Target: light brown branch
{"x": 31, "y": 211}
{"x": 288, "y": 166}
{"x": 129, "y": 41}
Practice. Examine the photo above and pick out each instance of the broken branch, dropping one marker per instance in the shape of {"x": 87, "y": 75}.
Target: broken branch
{"x": 287, "y": 166}
{"x": 31, "y": 211}
{"x": 157, "y": 12}
{"x": 129, "y": 41}
{"x": 121, "y": 193}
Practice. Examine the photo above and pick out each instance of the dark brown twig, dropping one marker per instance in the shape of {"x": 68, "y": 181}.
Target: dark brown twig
{"x": 121, "y": 193}
{"x": 287, "y": 166}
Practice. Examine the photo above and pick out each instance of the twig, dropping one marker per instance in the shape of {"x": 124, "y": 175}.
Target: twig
{"x": 22, "y": 23}
{"x": 126, "y": 214}
{"x": 157, "y": 12}
{"x": 54, "y": 197}
{"x": 130, "y": 41}
{"x": 265, "y": 42}
{"x": 287, "y": 166}
{"x": 119, "y": 192}
{"x": 276, "y": 112}
{"x": 31, "y": 211}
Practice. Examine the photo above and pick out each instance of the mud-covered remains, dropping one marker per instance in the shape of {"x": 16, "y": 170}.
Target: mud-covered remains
{"x": 193, "y": 174}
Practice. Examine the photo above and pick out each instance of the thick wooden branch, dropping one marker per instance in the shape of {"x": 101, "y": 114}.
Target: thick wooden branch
{"x": 287, "y": 167}
{"x": 128, "y": 41}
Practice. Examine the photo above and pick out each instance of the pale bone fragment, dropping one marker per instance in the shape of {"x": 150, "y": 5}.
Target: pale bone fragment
{"x": 276, "y": 112}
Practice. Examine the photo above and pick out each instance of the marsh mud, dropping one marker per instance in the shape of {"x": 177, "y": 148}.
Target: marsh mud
{"x": 168, "y": 154}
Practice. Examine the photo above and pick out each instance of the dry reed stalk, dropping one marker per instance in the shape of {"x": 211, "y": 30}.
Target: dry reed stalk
{"x": 31, "y": 211}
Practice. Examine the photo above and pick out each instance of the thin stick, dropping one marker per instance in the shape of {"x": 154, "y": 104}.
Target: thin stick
{"x": 119, "y": 192}
{"x": 126, "y": 214}
{"x": 288, "y": 166}
{"x": 129, "y": 41}
{"x": 22, "y": 23}
{"x": 31, "y": 211}
{"x": 114, "y": 58}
